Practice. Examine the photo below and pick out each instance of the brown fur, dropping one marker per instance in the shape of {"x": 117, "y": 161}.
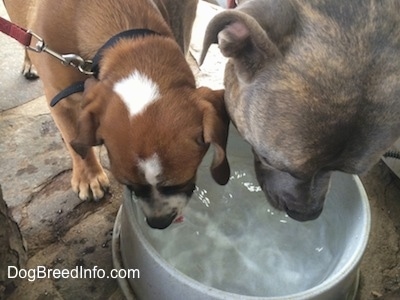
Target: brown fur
{"x": 179, "y": 127}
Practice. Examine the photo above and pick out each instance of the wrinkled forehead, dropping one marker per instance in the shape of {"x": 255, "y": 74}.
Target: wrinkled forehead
{"x": 304, "y": 156}
{"x": 302, "y": 152}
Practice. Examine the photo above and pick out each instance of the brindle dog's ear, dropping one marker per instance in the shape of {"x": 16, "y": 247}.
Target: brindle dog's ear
{"x": 215, "y": 131}
{"x": 241, "y": 38}
{"x": 93, "y": 99}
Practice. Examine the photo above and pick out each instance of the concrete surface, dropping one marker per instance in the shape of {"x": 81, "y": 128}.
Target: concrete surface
{"x": 63, "y": 232}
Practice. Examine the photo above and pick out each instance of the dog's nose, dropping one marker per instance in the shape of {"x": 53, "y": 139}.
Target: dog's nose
{"x": 303, "y": 216}
{"x": 161, "y": 222}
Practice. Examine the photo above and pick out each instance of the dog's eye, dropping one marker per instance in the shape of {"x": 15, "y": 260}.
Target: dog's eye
{"x": 185, "y": 188}
{"x": 200, "y": 141}
{"x": 264, "y": 160}
{"x": 140, "y": 190}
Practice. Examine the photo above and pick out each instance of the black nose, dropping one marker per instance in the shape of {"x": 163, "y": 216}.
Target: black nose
{"x": 161, "y": 222}
{"x": 301, "y": 216}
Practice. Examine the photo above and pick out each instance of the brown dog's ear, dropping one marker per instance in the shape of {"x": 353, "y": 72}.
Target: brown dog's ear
{"x": 88, "y": 121}
{"x": 240, "y": 37}
{"x": 215, "y": 131}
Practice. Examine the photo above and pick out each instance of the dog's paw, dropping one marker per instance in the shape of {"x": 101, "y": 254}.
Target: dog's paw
{"x": 29, "y": 72}
{"x": 90, "y": 185}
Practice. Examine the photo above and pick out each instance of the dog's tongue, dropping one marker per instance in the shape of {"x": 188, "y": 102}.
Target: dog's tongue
{"x": 179, "y": 219}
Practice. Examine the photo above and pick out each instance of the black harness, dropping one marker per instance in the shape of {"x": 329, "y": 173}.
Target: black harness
{"x": 79, "y": 86}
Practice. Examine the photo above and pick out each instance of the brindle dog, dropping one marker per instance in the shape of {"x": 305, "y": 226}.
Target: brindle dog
{"x": 314, "y": 87}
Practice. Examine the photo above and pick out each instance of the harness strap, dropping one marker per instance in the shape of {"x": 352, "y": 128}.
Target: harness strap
{"x": 76, "y": 87}
{"x": 16, "y": 32}
{"x": 79, "y": 86}
{"x": 128, "y": 34}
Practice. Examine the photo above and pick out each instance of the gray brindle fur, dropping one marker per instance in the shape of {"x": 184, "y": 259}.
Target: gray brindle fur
{"x": 313, "y": 86}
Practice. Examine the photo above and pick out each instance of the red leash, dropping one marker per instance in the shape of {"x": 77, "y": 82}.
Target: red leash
{"x": 16, "y": 32}
{"x": 25, "y": 36}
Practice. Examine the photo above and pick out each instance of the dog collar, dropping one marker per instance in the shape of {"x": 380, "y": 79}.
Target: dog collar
{"x": 79, "y": 86}
{"x": 128, "y": 34}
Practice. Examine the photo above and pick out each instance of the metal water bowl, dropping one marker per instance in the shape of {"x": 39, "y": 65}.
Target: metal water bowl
{"x": 218, "y": 218}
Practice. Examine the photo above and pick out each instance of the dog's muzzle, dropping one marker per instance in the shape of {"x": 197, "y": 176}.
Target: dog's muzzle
{"x": 303, "y": 216}
{"x": 303, "y": 200}
{"x": 161, "y": 222}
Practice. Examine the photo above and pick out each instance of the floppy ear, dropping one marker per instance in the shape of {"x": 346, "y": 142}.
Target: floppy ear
{"x": 241, "y": 38}
{"x": 215, "y": 131}
{"x": 88, "y": 123}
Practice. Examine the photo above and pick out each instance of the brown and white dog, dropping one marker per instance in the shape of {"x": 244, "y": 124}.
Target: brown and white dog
{"x": 144, "y": 105}
{"x": 314, "y": 87}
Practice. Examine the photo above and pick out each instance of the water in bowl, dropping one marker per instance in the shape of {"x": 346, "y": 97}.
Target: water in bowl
{"x": 233, "y": 240}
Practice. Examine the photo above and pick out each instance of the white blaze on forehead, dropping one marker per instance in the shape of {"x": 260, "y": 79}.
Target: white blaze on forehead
{"x": 137, "y": 91}
{"x": 151, "y": 167}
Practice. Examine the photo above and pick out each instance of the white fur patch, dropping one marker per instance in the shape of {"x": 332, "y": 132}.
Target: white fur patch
{"x": 151, "y": 168}
{"x": 137, "y": 91}
{"x": 164, "y": 205}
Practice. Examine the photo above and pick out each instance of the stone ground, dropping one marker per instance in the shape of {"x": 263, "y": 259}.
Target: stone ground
{"x": 62, "y": 232}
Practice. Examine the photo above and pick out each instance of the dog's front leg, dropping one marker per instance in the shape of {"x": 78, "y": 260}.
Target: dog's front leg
{"x": 89, "y": 180}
